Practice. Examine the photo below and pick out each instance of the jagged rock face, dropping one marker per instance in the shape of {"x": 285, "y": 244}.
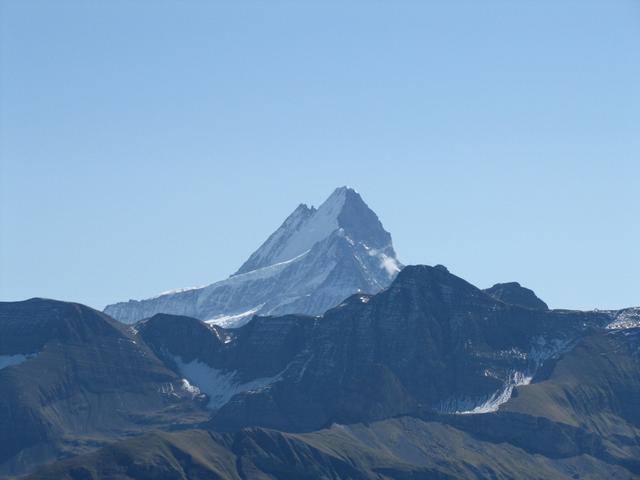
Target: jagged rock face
{"x": 316, "y": 259}
{"x": 579, "y": 422}
{"x": 431, "y": 340}
{"x": 558, "y": 383}
{"x": 586, "y": 403}
{"x": 515, "y": 294}
{"x": 80, "y": 374}
{"x": 595, "y": 386}
{"x": 261, "y": 348}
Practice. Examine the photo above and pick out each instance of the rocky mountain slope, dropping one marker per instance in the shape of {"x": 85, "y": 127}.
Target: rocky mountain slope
{"x": 312, "y": 262}
{"x": 430, "y": 378}
{"x": 515, "y": 294}
{"x": 572, "y": 422}
{"x": 430, "y": 342}
{"x": 78, "y": 378}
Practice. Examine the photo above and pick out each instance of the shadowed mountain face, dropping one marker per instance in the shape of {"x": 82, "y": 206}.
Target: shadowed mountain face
{"x": 431, "y": 341}
{"x": 481, "y": 384}
{"x": 77, "y": 377}
{"x": 573, "y": 424}
{"x": 313, "y": 261}
{"x": 516, "y": 294}
{"x": 580, "y": 422}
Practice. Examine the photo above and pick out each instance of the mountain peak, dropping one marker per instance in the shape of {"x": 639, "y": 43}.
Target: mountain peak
{"x": 426, "y": 277}
{"x": 515, "y": 294}
{"x": 312, "y": 262}
{"x": 342, "y": 191}
{"x": 343, "y": 210}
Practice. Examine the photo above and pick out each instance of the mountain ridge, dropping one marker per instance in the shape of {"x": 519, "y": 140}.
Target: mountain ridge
{"x": 430, "y": 355}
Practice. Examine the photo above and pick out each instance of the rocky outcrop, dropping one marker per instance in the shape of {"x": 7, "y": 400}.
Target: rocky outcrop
{"x": 515, "y": 294}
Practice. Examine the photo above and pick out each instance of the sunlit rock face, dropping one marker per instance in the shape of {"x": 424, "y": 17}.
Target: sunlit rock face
{"x": 313, "y": 261}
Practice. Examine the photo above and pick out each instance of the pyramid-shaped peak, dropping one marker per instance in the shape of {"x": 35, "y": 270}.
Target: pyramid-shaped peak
{"x": 340, "y": 197}
{"x": 343, "y": 192}
{"x": 343, "y": 195}
{"x": 312, "y": 262}
{"x": 344, "y": 210}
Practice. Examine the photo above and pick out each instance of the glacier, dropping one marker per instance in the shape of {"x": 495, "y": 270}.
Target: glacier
{"x": 219, "y": 386}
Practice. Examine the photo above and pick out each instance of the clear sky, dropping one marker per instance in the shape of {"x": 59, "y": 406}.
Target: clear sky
{"x": 152, "y": 145}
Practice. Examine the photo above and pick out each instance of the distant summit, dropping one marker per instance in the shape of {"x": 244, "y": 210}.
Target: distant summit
{"x": 313, "y": 261}
{"x": 515, "y": 294}
{"x": 344, "y": 211}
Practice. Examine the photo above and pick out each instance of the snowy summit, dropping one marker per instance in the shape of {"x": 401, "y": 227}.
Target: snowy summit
{"x": 313, "y": 261}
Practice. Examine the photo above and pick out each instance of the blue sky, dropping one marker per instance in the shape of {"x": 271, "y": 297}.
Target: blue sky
{"x": 151, "y": 145}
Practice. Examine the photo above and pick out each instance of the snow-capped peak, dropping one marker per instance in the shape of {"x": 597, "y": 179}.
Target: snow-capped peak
{"x": 313, "y": 261}
{"x": 307, "y": 226}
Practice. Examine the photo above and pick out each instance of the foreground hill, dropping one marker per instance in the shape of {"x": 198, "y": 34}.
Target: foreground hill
{"x": 401, "y": 448}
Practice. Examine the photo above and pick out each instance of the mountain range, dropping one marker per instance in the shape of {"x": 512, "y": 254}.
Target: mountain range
{"x": 410, "y": 373}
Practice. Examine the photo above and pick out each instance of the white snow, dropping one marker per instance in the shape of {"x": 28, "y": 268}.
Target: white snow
{"x": 281, "y": 273}
{"x": 492, "y": 404}
{"x": 268, "y": 271}
{"x": 177, "y": 290}
{"x": 540, "y": 351}
{"x": 301, "y": 231}
{"x": 192, "y": 389}
{"x": 317, "y": 227}
{"x": 203, "y": 293}
{"x": 219, "y": 386}
{"x": 167, "y": 389}
{"x": 11, "y": 360}
{"x": 623, "y": 319}
{"x": 234, "y": 321}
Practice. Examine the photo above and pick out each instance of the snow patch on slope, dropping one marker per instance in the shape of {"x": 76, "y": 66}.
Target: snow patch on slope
{"x": 177, "y": 290}
{"x": 219, "y": 386}
{"x": 492, "y": 404}
{"x": 268, "y": 271}
{"x": 317, "y": 227}
{"x": 12, "y": 360}
{"x": 540, "y": 351}
{"x": 236, "y": 320}
{"x": 623, "y": 319}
